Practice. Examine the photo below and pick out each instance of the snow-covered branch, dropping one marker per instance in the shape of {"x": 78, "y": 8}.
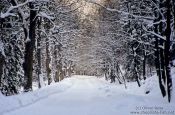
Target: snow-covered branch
{"x": 119, "y": 11}
{"x": 157, "y": 35}
{"x": 11, "y": 8}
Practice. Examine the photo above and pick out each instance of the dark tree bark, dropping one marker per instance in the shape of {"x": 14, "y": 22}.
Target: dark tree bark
{"x": 117, "y": 73}
{"x": 60, "y": 70}
{"x": 144, "y": 65}
{"x": 48, "y": 70}
{"x": 57, "y": 56}
{"x": 39, "y": 52}
{"x": 136, "y": 76}
{"x": 157, "y": 64}
{"x": 158, "y": 51}
{"x": 56, "y": 62}
{"x": 118, "y": 78}
{"x": 161, "y": 43}
{"x": 29, "y": 48}
{"x": 163, "y": 59}
{"x": 167, "y": 49}
{"x": 2, "y": 60}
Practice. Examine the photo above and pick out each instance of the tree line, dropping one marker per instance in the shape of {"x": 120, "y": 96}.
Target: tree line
{"x": 138, "y": 40}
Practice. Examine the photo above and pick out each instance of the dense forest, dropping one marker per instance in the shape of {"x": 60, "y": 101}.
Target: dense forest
{"x": 45, "y": 41}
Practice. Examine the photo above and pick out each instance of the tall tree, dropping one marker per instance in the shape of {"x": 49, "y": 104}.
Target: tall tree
{"x": 29, "y": 48}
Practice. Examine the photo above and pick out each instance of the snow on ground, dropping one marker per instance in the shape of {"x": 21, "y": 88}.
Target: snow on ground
{"x": 88, "y": 95}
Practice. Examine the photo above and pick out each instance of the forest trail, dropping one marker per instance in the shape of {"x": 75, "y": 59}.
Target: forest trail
{"x": 87, "y": 95}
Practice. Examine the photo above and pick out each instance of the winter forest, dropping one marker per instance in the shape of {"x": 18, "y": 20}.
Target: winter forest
{"x": 84, "y": 51}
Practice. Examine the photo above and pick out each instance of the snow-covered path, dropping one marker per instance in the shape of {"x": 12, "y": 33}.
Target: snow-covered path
{"x": 88, "y": 95}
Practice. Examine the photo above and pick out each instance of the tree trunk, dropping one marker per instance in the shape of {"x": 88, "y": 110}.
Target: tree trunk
{"x": 161, "y": 43}
{"x": 29, "y": 48}
{"x": 60, "y": 71}
{"x": 144, "y": 66}
{"x": 157, "y": 64}
{"x": 56, "y": 56}
{"x": 2, "y": 60}
{"x": 120, "y": 71}
{"x": 39, "y": 52}
{"x": 167, "y": 50}
{"x": 48, "y": 70}
{"x": 158, "y": 53}
{"x": 135, "y": 69}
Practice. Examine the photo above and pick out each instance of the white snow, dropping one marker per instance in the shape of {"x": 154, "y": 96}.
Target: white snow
{"x": 88, "y": 95}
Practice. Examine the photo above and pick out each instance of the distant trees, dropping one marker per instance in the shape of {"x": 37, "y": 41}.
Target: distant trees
{"x": 146, "y": 31}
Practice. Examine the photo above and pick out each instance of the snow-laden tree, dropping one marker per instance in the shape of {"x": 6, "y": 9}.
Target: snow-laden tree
{"x": 147, "y": 27}
{"x": 163, "y": 35}
{"x": 31, "y": 29}
{"x": 12, "y": 43}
